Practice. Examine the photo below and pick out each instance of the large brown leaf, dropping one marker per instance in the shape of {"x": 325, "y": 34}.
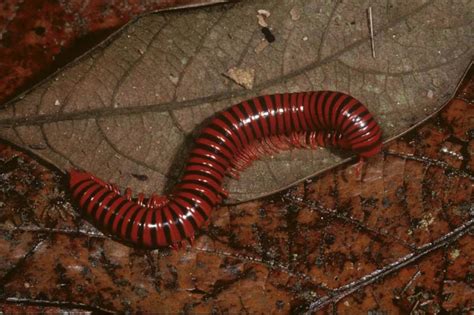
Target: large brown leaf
{"x": 130, "y": 109}
{"x": 395, "y": 241}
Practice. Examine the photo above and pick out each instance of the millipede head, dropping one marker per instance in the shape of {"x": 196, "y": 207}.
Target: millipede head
{"x": 77, "y": 176}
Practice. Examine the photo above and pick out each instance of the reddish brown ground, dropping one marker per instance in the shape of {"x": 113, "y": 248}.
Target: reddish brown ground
{"x": 38, "y": 37}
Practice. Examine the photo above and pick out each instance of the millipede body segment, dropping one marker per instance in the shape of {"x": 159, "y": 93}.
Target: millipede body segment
{"x": 229, "y": 143}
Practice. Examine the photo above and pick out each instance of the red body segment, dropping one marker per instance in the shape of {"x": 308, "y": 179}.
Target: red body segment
{"x": 230, "y": 142}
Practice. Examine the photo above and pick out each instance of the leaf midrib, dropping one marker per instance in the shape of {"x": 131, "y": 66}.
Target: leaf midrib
{"x": 99, "y": 113}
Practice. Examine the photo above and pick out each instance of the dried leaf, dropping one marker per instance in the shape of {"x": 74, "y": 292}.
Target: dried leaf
{"x": 122, "y": 111}
{"x": 243, "y": 77}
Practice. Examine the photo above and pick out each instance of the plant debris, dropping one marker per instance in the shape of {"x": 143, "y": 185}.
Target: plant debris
{"x": 243, "y": 77}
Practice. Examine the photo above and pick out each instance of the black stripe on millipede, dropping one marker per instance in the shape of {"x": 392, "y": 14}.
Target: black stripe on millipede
{"x": 186, "y": 214}
{"x": 166, "y": 227}
{"x": 287, "y": 112}
{"x": 241, "y": 107}
{"x": 210, "y": 149}
{"x": 343, "y": 104}
{"x": 199, "y": 183}
{"x": 306, "y": 111}
{"x": 81, "y": 192}
{"x": 108, "y": 208}
{"x": 211, "y": 160}
{"x": 292, "y": 110}
{"x": 196, "y": 206}
{"x": 198, "y": 193}
{"x": 130, "y": 223}
{"x": 350, "y": 110}
{"x": 177, "y": 223}
{"x": 141, "y": 227}
{"x": 255, "y": 112}
{"x": 98, "y": 203}
{"x": 231, "y": 126}
{"x": 359, "y": 117}
{"x": 154, "y": 229}
{"x": 348, "y": 135}
{"x": 282, "y": 115}
{"x": 328, "y": 119}
{"x": 217, "y": 141}
{"x": 323, "y": 107}
{"x": 240, "y": 123}
{"x": 201, "y": 165}
{"x": 225, "y": 133}
{"x": 92, "y": 196}
{"x": 315, "y": 117}
{"x": 133, "y": 206}
{"x": 266, "y": 109}
{"x": 110, "y": 223}
{"x": 265, "y": 106}
{"x": 277, "y": 113}
{"x": 300, "y": 113}
{"x": 202, "y": 173}
{"x": 73, "y": 188}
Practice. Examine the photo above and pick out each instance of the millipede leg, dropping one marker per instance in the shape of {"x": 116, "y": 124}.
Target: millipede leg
{"x": 140, "y": 199}
{"x": 191, "y": 240}
{"x": 156, "y": 201}
{"x": 232, "y": 172}
{"x": 223, "y": 194}
{"x": 113, "y": 187}
{"x": 128, "y": 194}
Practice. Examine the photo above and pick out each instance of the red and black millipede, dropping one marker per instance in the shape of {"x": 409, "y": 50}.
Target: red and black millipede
{"x": 229, "y": 143}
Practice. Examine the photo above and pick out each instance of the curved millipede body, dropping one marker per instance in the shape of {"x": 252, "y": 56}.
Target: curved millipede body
{"x": 230, "y": 142}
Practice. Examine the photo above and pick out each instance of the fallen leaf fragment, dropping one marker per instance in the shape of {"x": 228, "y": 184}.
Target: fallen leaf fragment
{"x": 261, "y": 16}
{"x": 243, "y": 77}
{"x": 263, "y": 12}
{"x": 268, "y": 34}
{"x": 261, "y": 21}
{"x": 295, "y": 13}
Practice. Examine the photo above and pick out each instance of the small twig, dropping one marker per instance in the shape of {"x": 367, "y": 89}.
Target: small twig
{"x": 371, "y": 30}
{"x": 421, "y": 252}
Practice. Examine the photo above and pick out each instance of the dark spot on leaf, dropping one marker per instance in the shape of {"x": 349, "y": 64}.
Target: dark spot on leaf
{"x": 268, "y": 34}
{"x": 470, "y": 134}
{"x": 368, "y": 202}
{"x": 140, "y": 177}
{"x": 319, "y": 262}
{"x": 38, "y": 146}
{"x": 386, "y": 202}
{"x": 292, "y": 209}
{"x": 329, "y": 239}
{"x": 469, "y": 277}
{"x": 39, "y": 30}
{"x": 414, "y": 223}
{"x": 280, "y": 304}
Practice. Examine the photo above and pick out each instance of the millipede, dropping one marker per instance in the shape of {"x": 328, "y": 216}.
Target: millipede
{"x": 228, "y": 144}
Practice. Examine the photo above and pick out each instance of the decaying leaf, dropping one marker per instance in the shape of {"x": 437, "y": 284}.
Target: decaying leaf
{"x": 134, "y": 106}
{"x": 38, "y": 37}
{"x": 397, "y": 241}
{"x": 261, "y": 17}
{"x": 243, "y": 77}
